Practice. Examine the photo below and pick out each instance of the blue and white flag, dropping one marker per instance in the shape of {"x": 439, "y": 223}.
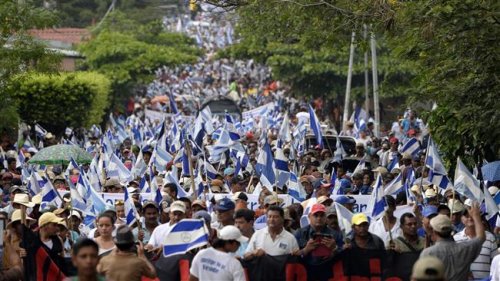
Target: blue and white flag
{"x": 116, "y": 169}
{"x": 395, "y": 186}
{"x": 20, "y": 159}
{"x": 377, "y": 201}
{"x": 437, "y": 172}
{"x": 281, "y": 165}
{"x": 295, "y": 188}
{"x": 466, "y": 184}
{"x": 161, "y": 158}
{"x": 144, "y": 185}
{"x": 155, "y": 190}
{"x": 394, "y": 164}
{"x": 131, "y": 213}
{"x": 40, "y": 131}
{"x": 49, "y": 194}
{"x": 360, "y": 167}
{"x": 344, "y": 218}
{"x": 77, "y": 201}
{"x": 210, "y": 171}
{"x": 284, "y": 134}
{"x": 140, "y": 166}
{"x": 90, "y": 195}
{"x": 411, "y": 146}
{"x": 315, "y": 127}
{"x": 265, "y": 166}
{"x": 186, "y": 235}
{"x": 339, "y": 151}
{"x": 491, "y": 206}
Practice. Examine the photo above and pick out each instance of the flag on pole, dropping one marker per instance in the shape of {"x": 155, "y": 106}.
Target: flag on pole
{"x": 377, "y": 201}
{"x": 411, "y": 146}
{"x": 344, "y": 218}
{"x": 131, "y": 213}
{"x": 315, "y": 127}
{"x": 49, "y": 194}
{"x": 437, "y": 172}
{"x": 265, "y": 166}
{"x": 395, "y": 186}
{"x": 116, "y": 169}
{"x": 466, "y": 184}
{"x": 186, "y": 235}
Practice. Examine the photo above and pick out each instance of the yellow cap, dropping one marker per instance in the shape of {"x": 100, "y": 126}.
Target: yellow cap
{"x": 359, "y": 218}
{"x": 48, "y": 218}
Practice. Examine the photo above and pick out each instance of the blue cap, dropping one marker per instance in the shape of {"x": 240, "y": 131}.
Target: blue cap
{"x": 345, "y": 183}
{"x": 225, "y": 204}
{"x": 345, "y": 200}
{"x": 228, "y": 171}
{"x": 429, "y": 210}
{"x": 203, "y": 215}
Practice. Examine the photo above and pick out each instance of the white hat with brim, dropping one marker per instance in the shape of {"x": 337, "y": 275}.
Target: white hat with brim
{"x": 16, "y": 216}
{"x": 231, "y": 232}
{"x": 23, "y": 199}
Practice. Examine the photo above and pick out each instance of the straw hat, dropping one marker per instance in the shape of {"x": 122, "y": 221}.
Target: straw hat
{"x": 16, "y": 216}
{"x": 23, "y": 199}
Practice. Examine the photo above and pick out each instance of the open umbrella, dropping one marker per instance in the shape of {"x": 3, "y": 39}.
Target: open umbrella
{"x": 491, "y": 171}
{"x": 61, "y": 154}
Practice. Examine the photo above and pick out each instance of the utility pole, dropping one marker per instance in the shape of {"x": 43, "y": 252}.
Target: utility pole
{"x": 348, "y": 86}
{"x": 375, "y": 84}
{"x": 367, "y": 82}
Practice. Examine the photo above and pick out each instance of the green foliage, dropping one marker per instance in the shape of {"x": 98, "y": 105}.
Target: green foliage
{"x": 129, "y": 53}
{"x": 19, "y": 52}
{"x": 63, "y": 100}
{"x": 455, "y": 44}
{"x": 307, "y": 47}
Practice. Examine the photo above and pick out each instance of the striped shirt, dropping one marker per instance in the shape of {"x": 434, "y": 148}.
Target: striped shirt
{"x": 480, "y": 268}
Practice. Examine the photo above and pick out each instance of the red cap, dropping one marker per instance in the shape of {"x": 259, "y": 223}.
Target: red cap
{"x": 318, "y": 208}
{"x": 411, "y": 132}
{"x": 393, "y": 140}
{"x": 249, "y": 135}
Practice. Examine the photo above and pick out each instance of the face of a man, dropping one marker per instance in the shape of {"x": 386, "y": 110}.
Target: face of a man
{"x": 323, "y": 191}
{"x": 361, "y": 230}
{"x": 467, "y": 220}
{"x": 410, "y": 227}
{"x": 86, "y": 260}
{"x": 332, "y": 222}
{"x": 225, "y": 217}
{"x": 317, "y": 220}
{"x": 274, "y": 220}
{"x": 151, "y": 215}
{"x": 176, "y": 216}
{"x": 51, "y": 228}
{"x": 308, "y": 187}
{"x": 243, "y": 225}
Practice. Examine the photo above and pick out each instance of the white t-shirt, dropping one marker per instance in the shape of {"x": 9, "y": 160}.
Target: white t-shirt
{"x": 377, "y": 227}
{"x": 480, "y": 267}
{"x": 495, "y": 269}
{"x": 211, "y": 264}
{"x": 159, "y": 234}
{"x": 285, "y": 243}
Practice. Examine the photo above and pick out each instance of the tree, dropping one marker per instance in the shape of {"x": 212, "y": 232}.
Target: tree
{"x": 19, "y": 52}
{"x": 442, "y": 51}
{"x": 130, "y": 56}
{"x": 57, "y": 101}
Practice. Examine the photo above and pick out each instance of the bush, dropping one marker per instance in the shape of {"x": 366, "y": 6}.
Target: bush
{"x": 57, "y": 101}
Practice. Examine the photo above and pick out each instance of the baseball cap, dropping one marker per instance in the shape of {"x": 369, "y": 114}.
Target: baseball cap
{"x": 178, "y": 206}
{"x": 325, "y": 200}
{"x": 428, "y": 268}
{"x": 17, "y": 188}
{"x": 317, "y": 208}
{"x": 441, "y": 224}
{"x": 429, "y": 210}
{"x": 203, "y": 215}
{"x": 150, "y": 203}
{"x": 200, "y": 203}
{"x": 493, "y": 190}
{"x": 225, "y": 204}
{"x": 231, "y": 232}
{"x": 331, "y": 211}
{"x": 124, "y": 235}
{"x": 48, "y": 217}
{"x": 359, "y": 218}
{"x": 345, "y": 200}
{"x": 240, "y": 195}
{"x": 272, "y": 199}
{"x": 380, "y": 169}
{"x": 76, "y": 214}
{"x": 16, "y": 216}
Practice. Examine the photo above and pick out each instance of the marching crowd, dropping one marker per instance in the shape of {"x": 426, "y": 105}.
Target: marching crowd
{"x": 171, "y": 172}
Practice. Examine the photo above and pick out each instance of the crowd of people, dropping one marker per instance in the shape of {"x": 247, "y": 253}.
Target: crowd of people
{"x": 172, "y": 170}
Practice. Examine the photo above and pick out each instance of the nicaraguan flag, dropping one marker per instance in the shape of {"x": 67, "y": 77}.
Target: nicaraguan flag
{"x": 315, "y": 126}
{"x": 437, "y": 171}
{"x": 466, "y": 184}
{"x": 395, "y": 186}
{"x": 377, "y": 201}
{"x": 49, "y": 195}
{"x": 295, "y": 189}
{"x": 344, "y": 217}
{"x": 131, "y": 214}
{"x": 116, "y": 169}
{"x": 281, "y": 165}
{"x": 394, "y": 164}
{"x": 77, "y": 201}
{"x": 265, "y": 165}
{"x": 186, "y": 235}
{"x": 411, "y": 146}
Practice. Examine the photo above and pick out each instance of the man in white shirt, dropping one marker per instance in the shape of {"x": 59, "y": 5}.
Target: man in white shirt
{"x": 272, "y": 240}
{"x": 388, "y": 222}
{"x": 177, "y": 213}
{"x": 218, "y": 263}
{"x": 480, "y": 267}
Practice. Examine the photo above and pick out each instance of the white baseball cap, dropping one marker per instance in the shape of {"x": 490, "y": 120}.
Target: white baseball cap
{"x": 231, "y": 232}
